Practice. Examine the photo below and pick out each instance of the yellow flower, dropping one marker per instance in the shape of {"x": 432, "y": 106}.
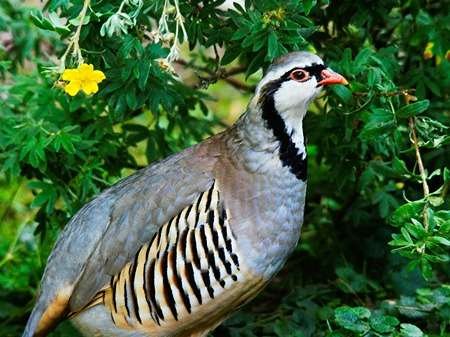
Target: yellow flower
{"x": 428, "y": 52}
{"x": 83, "y": 78}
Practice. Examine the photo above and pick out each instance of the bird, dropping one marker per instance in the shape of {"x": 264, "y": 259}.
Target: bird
{"x": 175, "y": 248}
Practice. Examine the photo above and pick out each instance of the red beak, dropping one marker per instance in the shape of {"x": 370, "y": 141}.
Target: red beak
{"x": 329, "y": 77}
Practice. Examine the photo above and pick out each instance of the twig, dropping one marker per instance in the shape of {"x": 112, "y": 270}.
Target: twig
{"x": 371, "y": 95}
{"x": 219, "y": 74}
{"x": 386, "y": 94}
{"x": 239, "y": 85}
{"x": 216, "y": 53}
{"x": 423, "y": 174}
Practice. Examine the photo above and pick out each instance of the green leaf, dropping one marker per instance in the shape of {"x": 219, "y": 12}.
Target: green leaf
{"x": 383, "y": 323}
{"x": 426, "y": 268}
{"x": 131, "y": 99}
{"x": 58, "y": 23}
{"x": 440, "y": 240}
{"x": 416, "y": 229}
{"x": 272, "y": 47}
{"x": 436, "y": 201}
{"x": 259, "y": 42}
{"x": 350, "y": 281}
{"x": 231, "y": 53}
{"x": 136, "y": 133}
{"x": 379, "y": 121}
{"x": 413, "y": 109}
{"x": 37, "y": 184}
{"x": 346, "y": 61}
{"x": 446, "y": 175}
{"x": 66, "y": 143}
{"x": 144, "y": 71}
{"x": 40, "y": 21}
{"x": 406, "y": 235}
{"x": 362, "y": 59}
{"x": 410, "y": 330}
{"x": 352, "y": 319}
{"x": 255, "y": 64}
{"x": 404, "y": 213}
{"x": 344, "y": 94}
{"x": 47, "y": 196}
{"x": 77, "y": 22}
{"x": 399, "y": 167}
{"x": 373, "y": 76}
{"x": 308, "y": 5}
{"x": 423, "y": 18}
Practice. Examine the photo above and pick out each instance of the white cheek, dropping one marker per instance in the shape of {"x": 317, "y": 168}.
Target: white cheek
{"x": 295, "y": 95}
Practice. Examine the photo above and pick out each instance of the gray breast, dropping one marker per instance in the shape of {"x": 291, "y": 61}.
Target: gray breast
{"x": 266, "y": 216}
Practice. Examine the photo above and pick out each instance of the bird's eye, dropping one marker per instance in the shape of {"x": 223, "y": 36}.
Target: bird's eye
{"x": 300, "y": 75}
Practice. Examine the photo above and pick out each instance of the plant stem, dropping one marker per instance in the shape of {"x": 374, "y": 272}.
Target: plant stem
{"x": 74, "y": 40}
{"x": 76, "y": 36}
{"x": 423, "y": 174}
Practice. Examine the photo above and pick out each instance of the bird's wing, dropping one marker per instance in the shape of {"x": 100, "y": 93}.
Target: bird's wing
{"x": 106, "y": 233}
{"x": 187, "y": 278}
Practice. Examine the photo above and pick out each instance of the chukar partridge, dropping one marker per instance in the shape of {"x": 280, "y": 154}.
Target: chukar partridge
{"x": 174, "y": 249}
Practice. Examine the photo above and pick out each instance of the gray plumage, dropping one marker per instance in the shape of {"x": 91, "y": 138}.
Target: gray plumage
{"x": 256, "y": 170}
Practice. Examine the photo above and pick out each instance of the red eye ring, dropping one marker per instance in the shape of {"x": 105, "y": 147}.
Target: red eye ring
{"x": 299, "y": 75}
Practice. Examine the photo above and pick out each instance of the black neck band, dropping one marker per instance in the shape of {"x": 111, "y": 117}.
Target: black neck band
{"x": 289, "y": 154}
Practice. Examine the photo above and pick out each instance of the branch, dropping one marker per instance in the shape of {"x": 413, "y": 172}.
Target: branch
{"x": 239, "y": 85}
{"x": 219, "y": 74}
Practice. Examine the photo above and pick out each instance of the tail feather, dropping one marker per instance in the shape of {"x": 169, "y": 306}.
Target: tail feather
{"x": 47, "y": 313}
{"x": 33, "y": 321}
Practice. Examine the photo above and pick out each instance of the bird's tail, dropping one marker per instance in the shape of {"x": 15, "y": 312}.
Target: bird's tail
{"x": 46, "y": 314}
{"x": 34, "y": 319}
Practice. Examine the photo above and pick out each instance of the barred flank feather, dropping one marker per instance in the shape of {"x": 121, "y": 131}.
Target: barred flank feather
{"x": 190, "y": 261}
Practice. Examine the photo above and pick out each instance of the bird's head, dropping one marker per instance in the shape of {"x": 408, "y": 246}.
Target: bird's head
{"x": 293, "y": 80}
{"x": 272, "y": 123}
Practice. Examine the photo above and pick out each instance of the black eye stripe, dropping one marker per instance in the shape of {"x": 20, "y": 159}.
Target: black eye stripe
{"x": 271, "y": 87}
{"x": 314, "y": 70}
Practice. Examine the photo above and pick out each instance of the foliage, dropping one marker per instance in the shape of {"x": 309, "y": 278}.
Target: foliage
{"x": 374, "y": 254}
